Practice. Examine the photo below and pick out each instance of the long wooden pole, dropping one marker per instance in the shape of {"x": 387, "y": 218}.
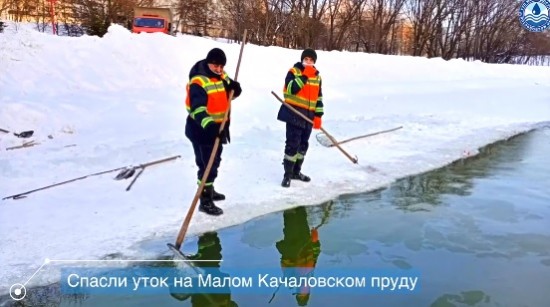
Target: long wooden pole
{"x": 352, "y": 159}
{"x": 187, "y": 220}
{"x": 366, "y": 135}
{"x": 21, "y": 195}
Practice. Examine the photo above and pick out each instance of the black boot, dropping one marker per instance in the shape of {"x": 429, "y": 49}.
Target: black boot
{"x": 217, "y": 196}
{"x": 207, "y": 202}
{"x": 289, "y": 167}
{"x": 297, "y": 174}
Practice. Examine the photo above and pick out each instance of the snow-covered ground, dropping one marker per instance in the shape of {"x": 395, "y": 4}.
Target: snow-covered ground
{"x": 119, "y": 101}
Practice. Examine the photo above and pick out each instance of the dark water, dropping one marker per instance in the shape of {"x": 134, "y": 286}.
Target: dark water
{"x": 477, "y": 230}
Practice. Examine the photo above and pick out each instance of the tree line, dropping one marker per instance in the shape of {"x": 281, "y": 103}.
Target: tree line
{"x": 485, "y": 30}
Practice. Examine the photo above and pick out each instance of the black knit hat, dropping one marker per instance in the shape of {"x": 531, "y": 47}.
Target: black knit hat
{"x": 309, "y": 53}
{"x": 216, "y": 56}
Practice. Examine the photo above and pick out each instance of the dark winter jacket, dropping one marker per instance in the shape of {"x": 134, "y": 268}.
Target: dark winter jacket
{"x": 199, "y": 98}
{"x": 295, "y": 81}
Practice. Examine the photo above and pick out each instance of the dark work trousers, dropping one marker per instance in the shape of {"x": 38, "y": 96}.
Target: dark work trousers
{"x": 297, "y": 140}
{"x": 202, "y": 155}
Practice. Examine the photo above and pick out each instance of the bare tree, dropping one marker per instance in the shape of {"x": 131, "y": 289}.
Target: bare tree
{"x": 19, "y": 9}
{"x": 271, "y": 25}
{"x": 195, "y": 16}
{"x": 458, "y": 27}
{"x": 241, "y": 14}
{"x": 42, "y": 15}
{"x": 5, "y": 5}
{"x": 311, "y": 27}
{"x": 381, "y": 16}
{"x": 345, "y": 24}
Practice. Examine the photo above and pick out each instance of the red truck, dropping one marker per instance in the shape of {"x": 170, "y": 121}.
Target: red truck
{"x": 152, "y": 20}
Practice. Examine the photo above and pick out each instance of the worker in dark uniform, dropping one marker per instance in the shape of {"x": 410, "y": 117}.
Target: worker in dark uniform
{"x": 207, "y": 102}
{"x": 300, "y": 248}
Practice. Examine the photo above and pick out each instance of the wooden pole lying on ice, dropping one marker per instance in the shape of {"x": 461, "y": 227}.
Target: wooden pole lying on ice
{"x": 130, "y": 171}
{"x": 325, "y": 143}
{"x": 23, "y": 195}
{"x": 24, "y": 145}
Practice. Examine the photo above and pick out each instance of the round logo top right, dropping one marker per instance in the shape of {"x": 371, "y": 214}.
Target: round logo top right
{"x": 533, "y": 15}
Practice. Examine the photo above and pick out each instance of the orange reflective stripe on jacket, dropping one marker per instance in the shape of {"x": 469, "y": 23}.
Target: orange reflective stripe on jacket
{"x": 306, "y": 259}
{"x": 217, "y": 102}
{"x": 307, "y": 97}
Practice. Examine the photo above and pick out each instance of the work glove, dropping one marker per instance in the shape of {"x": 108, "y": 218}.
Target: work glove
{"x": 314, "y": 235}
{"x": 317, "y": 122}
{"x": 236, "y": 87}
{"x": 309, "y": 71}
{"x": 304, "y": 79}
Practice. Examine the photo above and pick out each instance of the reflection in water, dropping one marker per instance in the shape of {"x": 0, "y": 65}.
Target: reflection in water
{"x": 300, "y": 248}
{"x": 209, "y": 248}
{"x": 45, "y": 296}
{"x": 468, "y": 298}
{"x": 488, "y": 219}
{"x": 477, "y": 230}
{"x": 458, "y": 177}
